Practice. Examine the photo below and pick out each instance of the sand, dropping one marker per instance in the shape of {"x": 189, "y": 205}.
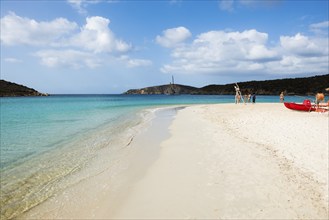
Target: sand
{"x": 229, "y": 161}
{"x": 223, "y": 161}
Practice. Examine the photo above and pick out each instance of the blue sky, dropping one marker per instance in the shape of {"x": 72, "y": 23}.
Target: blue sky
{"x": 110, "y": 46}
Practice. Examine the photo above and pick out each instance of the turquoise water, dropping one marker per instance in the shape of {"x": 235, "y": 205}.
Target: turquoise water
{"x": 44, "y": 140}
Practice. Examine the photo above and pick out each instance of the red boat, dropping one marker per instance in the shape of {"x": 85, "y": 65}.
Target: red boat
{"x": 306, "y": 106}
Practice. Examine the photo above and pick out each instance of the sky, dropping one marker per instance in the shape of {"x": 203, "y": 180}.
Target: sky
{"x": 110, "y": 46}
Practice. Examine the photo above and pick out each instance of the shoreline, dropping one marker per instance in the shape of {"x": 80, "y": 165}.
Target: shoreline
{"x": 210, "y": 161}
{"x": 242, "y": 162}
{"x": 98, "y": 193}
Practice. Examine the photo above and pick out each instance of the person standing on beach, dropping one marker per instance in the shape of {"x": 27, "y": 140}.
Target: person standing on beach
{"x": 237, "y": 94}
{"x": 319, "y": 97}
{"x": 238, "y": 99}
{"x": 281, "y": 97}
{"x": 254, "y": 98}
{"x": 245, "y": 98}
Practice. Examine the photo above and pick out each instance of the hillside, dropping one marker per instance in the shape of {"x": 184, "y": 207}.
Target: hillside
{"x": 13, "y": 89}
{"x": 291, "y": 86}
{"x": 165, "y": 89}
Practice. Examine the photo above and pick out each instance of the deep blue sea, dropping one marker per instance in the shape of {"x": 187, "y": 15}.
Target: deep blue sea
{"x": 46, "y": 139}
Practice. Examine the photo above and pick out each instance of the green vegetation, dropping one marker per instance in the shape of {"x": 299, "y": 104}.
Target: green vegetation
{"x": 292, "y": 86}
{"x": 13, "y": 89}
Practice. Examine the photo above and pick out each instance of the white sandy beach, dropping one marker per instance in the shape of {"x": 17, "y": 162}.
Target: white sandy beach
{"x": 234, "y": 161}
{"x": 222, "y": 161}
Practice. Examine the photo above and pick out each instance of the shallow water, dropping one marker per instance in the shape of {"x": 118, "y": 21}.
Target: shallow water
{"x": 47, "y": 140}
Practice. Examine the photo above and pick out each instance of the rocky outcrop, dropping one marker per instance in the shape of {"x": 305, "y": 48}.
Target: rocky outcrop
{"x": 13, "y": 89}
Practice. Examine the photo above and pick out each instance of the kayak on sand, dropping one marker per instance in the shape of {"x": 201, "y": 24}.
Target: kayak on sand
{"x": 305, "y": 106}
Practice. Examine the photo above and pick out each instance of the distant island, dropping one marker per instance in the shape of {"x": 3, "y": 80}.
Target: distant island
{"x": 9, "y": 89}
{"x": 290, "y": 86}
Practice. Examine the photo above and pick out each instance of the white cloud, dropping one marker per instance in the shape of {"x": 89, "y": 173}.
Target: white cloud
{"x": 81, "y": 5}
{"x": 78, "y": 59}
{"x": 173, "y": 37}
{"x": 97, "y": 37}
{"x": 221, "y": 52}
{"x": 324, "y": 24}
{"x": 226, "y": 5}
{"x": 304, "y": 46}
{"x": 75, "y": 47}
{"x": 139, "y": 62}
{"x": 94, "y": 36}
{"x": 131, "y": 63}
{"x": 261, "y": 53}
{"x": 295, "y": 64}
{"x": 320, "y": 28}
{"x": 18, "y": 30}
{"x": 12, "y": 60}
{"x": 77, "y": 4}
{"x": 68, "y": 58}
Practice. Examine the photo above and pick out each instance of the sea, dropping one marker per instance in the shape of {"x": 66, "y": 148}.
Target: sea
{"x": 47, "y": 140}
